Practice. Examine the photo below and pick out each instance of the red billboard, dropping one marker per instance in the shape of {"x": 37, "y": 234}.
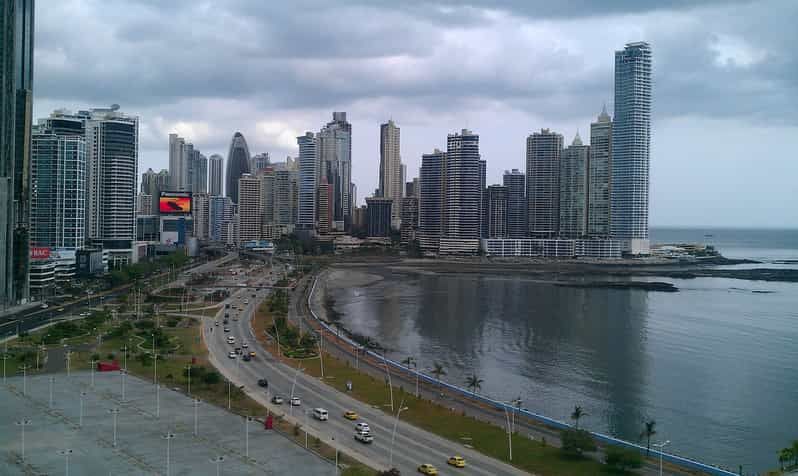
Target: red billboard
{"x": 39, "y": 252}
{"x": 174, "y": 203}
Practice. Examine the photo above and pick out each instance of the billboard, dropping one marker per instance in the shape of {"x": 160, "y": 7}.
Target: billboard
{"x": 174, "y": 203}
{"x": 39, "y": 252}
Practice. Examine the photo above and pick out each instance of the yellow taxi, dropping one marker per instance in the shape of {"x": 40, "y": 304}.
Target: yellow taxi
{"x": 350, "y": 415}
{"x": 428, "y": 469}
{"x": 456, "y": 461}
{"x": 252, "y": 353}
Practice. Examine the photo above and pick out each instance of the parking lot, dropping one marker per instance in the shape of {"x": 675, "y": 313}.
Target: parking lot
{"x": 143, "y": 422}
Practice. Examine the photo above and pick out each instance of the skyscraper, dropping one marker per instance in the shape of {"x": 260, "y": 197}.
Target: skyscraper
{"x": 198, "y": 171}
{"x": 378, "y": 212}
{"x": 237, "y": 165}
{"x": 308, "y": 175}
{"x": 573, "y": 189}
{"x": 483, "y": 198}
{"x": 391, "y": 181}
{"x": 600, "y": 168}
{"x": 631, "y": 136}
{"x": 496, "y": 213}
{"x": 324, "y": 206}
{"x": 462, "y": 221}
{"x": 259, "y": 163}
{"x": 335, "y": 155}
{"x": 200, "y": 213}
{"x": 250, "y": 213}
{"x": 220, "y": 212}
{"x": 215, "y": 174}
{"x": 58, "y": 179}
{"x": 178, "y": 163}
{"x": 515, "y": 181}
{"x": 409, "y": 224}
{"x": 152, "y": 184}
{"x": 16, "y": 98}
{"x": 543, "y": 182}
{"x": 432, "y": 176}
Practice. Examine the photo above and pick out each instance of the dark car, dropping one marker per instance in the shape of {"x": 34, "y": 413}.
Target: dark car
{"x": 263, "y": 383}
{"x": 247, "y": 358}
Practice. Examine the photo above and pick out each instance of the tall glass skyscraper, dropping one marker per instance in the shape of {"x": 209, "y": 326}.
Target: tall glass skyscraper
{"x": 543, "y": 150}
{"x": 574, "y": 189}
{"x": 237, "y": 165}
{"x": 308, "y": 176}
{"x": 215, "y": 174}
{"x": 463, "y": 194}
{"x": 631, "y": 136}
{"x": 335, "y": 154}
{"x": 515, "y": 181}
{"x": 431, "y": 199}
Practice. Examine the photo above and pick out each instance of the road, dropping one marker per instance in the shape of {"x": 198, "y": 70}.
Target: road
{"x": 412, "y": 447}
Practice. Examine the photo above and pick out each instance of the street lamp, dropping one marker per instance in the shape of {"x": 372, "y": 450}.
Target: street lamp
{"x": 395, "y": 424}
{"x": 509, "y": 431}
{"x": 23, "y": 423}
{"x": 660, "y": 446}
{"x": 247, "y": 419}
{"x": 80, "y": 421}
{"x": 196, "y": 404}
{"x": 5, "y": 357}
{"x": 65, "y": 453}
{"x": 293, "y": 385}
{"x": 218, "y": 461}
{"x": 189, "y": 379}
{"x": 68, "y": 360}
{"x": 25, "y": 380}
{"x": 93, "y": 365}
{"x": 52, "y": 380}
{"x": 114, "y": 412}
{"x": 157, "y": 401}
{"x": 122, "y": 375}
{"x": 168, "y": 437}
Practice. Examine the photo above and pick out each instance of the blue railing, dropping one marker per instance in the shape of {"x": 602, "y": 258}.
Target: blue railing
{"x": 502, "y": 406}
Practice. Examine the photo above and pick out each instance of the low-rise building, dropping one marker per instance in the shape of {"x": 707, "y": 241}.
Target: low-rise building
{"x": 552, "y": 248}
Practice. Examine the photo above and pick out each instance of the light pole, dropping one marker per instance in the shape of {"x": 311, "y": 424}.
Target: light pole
{"x": 395, "y": 424}
{"x": 196, "y": 404}
{"x": 68, "y": 359}
{"x": 154, "y": 361}
{"x": 293, "y": 385}
{"x": 25, "y": 380}
{"x": 660, "y": 446}
{"x": 5, "y": 357}
{"x": 157, "y": 401}
{"x": 168, "y": 437}
{"x": 114, "y": 412}
{"x": 516, "y": 406}
{"x": 125, "y": 361}
{"x": 509, "y": 432}
{"x": 52, "y": 380}
{"x": 23, "y": 423}
{"x": 228, "y": 394}
{"x": 218, "y": 461}
{"x": 388, "y": 373}
{"x": 247, "y": 419}
{"x": 189, "y": 379}
{"x": 122, "y": 375}
{"x": 93, "y": 365}
{"x": 80, "y": 421}
{"x": 65, "y": 453}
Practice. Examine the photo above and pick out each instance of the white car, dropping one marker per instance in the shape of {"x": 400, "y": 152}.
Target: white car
{"x": 362, "y": 427}
{"x": 44, "y": 306}
{"x": 295, "y": 401}
{"x": 231, "y": 340}
{"x": 244, "y": 345}
{"x": 232, "y": 354}
{"x": 364, "y": 437}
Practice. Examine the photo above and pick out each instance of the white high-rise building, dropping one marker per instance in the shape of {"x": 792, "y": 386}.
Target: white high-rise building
{"x": 462, "y": 206}
{"x": 250, "y": 211}
{"x": 308, "y": 180}
{"x": 391, "y": 169}
{"x": 215, "y": 175}
{"x": 631, "y": 138}
{"x": 200, "y": 213}
{"x": 543, "y": 151}
{"x": 598, "y": 215}
{"x": 178, "y": 163}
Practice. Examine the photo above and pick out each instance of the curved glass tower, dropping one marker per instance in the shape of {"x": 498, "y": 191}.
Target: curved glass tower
{"x": 237, "y": 165}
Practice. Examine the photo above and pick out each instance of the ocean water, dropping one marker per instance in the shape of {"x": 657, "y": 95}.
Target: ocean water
{"x": 713, "y": 364}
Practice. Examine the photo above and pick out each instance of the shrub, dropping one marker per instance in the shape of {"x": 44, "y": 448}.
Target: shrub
{"x": 172, "y": 322}
{"x": 211, "y": 378}
{"x": 622, "y": 459}
{"x": 577, "y": 442}
{"x": 297, "y": 428}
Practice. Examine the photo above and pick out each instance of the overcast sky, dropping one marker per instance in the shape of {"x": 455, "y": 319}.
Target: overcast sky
{"x": 725, "y": 112}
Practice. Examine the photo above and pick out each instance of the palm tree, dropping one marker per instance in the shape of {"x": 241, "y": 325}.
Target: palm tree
{"x": 576, "y": 415}
{"x": 648, "y": 432}
{"x": 438, "y": 370}
{"x": 474, "y": 382}
{"x": 785, "y": 456}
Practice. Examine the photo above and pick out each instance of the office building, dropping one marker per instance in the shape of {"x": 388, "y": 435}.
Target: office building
{"x": 285, "y": 197}
{"x": 250, "y": 212}
{"x": 462, "y": 206}
{"x": 574, "y": 189}
{"x": 152, "y": 184}
{"x": 483, "y": 198}
{"x": 309, "y": 170}
{"x": 200, "y": 212}
{"x": 180, "y": 156}
{"x": 324, "y": 208}
{"x": 334, "y": 142}
{"x": 58, "y": 184}
{"x": 391, "y": 169}
{"x": 237, "y": 165}
{"x": 598, "y": 202}
{"x": 378, "y": 211}
{"x": 16, "y": 99}
{"x": 496, "y": 211}
{"x": 631, "y": 137}
{"x": 432, "y": 176}
{"x": 515, "y": 181}
{"x": 259, "y": 162}
{"x": 409, "y": 225}
{"x": 148, "y": 228}
{"x": 220, "y": 213}
{"x": 198, "y": 173}
{"x": 144, "y": 204}
{"x": 215, "y": 175}
{"x": 543, "y": 151}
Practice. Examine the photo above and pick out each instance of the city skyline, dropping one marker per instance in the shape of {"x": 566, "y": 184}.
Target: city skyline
{"x": 695, "y": 126}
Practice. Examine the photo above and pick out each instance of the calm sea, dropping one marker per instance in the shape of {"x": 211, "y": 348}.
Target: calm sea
{"x": 713, "y": 364}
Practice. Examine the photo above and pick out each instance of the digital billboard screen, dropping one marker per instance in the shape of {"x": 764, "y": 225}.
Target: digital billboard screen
{"x": 174, "y": 203}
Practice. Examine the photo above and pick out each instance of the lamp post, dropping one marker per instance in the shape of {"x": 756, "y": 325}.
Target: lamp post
{"x": 122, "y": 375}
{"x": 247, "y": 419}
{"x": 93, "y": 365}
{"x": 5, "y": 357}
{"x": 157, "y": 401}
{"x": 388, "y": 373}
{"x": 293, "y": 385}
{"x": 196, "y": 405}
{"x": 80, "y": 421}
{"x": 395, "y": 424}
{"x": 228, "y": 394}
{"x": 114, "y": 412}
{"x": 168, "y": 437}
{"x": 52, "y": 380}
{"x": 660, "y": 446}
{"x": 516, "y": 406}
{"x": 25, "y": 380}
{"x": 22, "y": 424}
{"x": 65, "y": 453}
{"x": 509, "y": 432}
{"x": 189, "y": 379}
{"x": 218, "y": 461}
{"x": 154, "y": 361}
{"x": 68, "y": 360}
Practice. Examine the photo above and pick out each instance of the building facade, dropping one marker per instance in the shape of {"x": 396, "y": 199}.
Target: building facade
{"x": 391, "y": 176}
{"x": 378, "y": 211}
{"x": 335, "y": 156}
{"x": 250, "y": 212}
{"x": 237, "y": 165}
{"x": 220, "y": 213}
{"x": 259, "y": 162}
{"x": 515, "y": 181}
{"x": 600, "y": 171}
{"x": 180, "y": 154}
{"x": 552, "y": 248}
{"x": 309, "y": 170}
{"x": 215, "y": 174}
{"x": 463, "y": 197}
{"x": 496, "y": 211}
{"x": 200, "y": 212}
{"x": 574, "y": 189}
{"x": 198, "y": 173}
{"x": 543, "y": 151}
{"x": 431, "y": 199}
{"x": 152, "y": 184}
{"x": 324, "y": 207}
{"x": 631, "y": 137}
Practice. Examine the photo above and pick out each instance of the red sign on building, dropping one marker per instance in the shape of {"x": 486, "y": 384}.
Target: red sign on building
{"x": 38, "y": 252}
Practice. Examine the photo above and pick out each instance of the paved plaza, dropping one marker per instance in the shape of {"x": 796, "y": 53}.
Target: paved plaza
{"x": 141, "y": 447}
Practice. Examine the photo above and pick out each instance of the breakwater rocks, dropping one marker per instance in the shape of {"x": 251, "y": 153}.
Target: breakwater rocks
{"x": 642, "y": 285}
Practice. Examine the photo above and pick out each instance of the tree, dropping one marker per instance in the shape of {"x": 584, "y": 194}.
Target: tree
{"x": 577, "y": 442}
{"x": 211, "y": 378}
{"x": 576, "y": 415}
{"x": 622, "y": 459}
{"x": 785, "y": 456}
{"x": 474, "y": 382}
{"x": 438, "y": 371}
{"x": 649, "y": 430}
{"x": 794, "y": 449}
